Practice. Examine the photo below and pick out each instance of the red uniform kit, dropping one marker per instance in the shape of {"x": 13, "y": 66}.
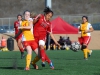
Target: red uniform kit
{"x": 41, "y": 28}
{"x": 16, "y": 25}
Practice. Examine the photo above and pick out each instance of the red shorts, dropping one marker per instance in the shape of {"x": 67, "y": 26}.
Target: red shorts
{"x": 84, "y": 40}
{"x": 19, "y": 37}
{"x": 41, "y": 37}
{"x": 31, "y": 43}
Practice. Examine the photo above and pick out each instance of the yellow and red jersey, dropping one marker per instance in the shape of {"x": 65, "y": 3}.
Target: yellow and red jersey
{"x": 27, "y": 34}
{"x": 84, "y": 27}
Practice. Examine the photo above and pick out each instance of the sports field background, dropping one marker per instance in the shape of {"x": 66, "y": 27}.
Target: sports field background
{"x": 94, "y": 43}
{"x": 66, "y": 62}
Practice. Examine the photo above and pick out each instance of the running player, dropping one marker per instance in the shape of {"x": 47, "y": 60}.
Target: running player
{"x": 18, "y": 39}
{"x": 28, "y": 38}
{"x": 86, "y": 29}
{"x": 42, "y": 26}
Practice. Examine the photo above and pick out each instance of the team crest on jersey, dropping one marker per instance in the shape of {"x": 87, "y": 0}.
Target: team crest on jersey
{"x": 44, "y": 24}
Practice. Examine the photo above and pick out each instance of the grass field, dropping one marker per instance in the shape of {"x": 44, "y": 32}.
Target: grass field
{"x": 65, "y": 62}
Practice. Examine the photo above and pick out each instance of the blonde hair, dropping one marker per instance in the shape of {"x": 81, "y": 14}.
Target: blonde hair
{"x": 33, "y": 15}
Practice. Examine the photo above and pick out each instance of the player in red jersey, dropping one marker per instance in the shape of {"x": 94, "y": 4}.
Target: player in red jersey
{"x": 18, "y": 39}
{"x": 42, "y": 26}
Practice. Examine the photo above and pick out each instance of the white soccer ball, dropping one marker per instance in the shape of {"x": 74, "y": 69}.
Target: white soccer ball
{"x": 75, "y": 46}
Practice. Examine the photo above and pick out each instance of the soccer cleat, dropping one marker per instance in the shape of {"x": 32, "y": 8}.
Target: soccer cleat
{"x": 51, "y": 65}
{"x": 43, "y": 64}
{"x": 85, "y": 58}
{"x": 27, "y": 69}
{"x": 35, "y": 66}
{"x": 90, "y": 53}
{"x": 22, "y": 55}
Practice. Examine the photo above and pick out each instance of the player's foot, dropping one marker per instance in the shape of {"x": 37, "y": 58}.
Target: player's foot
{"x": 22, "y": 55}
{"x": 90, "y": 53}
{"x": 85, "y": 58}
{"x": 27, "y": 69}
{"x": 43, "y": 64}
{"x": 51, "y": 65}
{"x": 35, "y": 66}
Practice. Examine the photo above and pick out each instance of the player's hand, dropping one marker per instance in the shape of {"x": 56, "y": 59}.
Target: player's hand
{"x": 87, "y": 31}
{"x": 38, "y": 17}
{"x": 58, "y": 44}
{"x": 20, "y": 28}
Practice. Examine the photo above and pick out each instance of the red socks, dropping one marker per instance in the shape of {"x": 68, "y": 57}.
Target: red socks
{"x": 44, "y": 57}
{"x": 21, "y": 49}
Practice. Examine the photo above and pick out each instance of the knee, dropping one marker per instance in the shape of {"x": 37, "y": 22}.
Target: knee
{"x": 41, "y": 44}
{"x": 84, "y": 47}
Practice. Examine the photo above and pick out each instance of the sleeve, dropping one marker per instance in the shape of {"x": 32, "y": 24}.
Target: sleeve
{"x": 90, "y": 26}
{"x": 14, "y": 24}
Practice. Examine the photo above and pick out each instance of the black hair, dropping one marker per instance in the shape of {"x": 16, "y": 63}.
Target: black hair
{"x": 26, "y": 11}
{"x": 19, "y": 15}
{"x": 48, "y": 10}
{"x": 85, "y": 17}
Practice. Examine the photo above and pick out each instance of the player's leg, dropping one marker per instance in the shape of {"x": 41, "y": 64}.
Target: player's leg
{"x": 29, "y": 54}
{"x": 81, "y": 40}
{"x": 44, "y": 56}
{"x": 85, "y": 44}
{"x": 42, "y": 52}
{"x": 87, "y": 41}
{"x": 19, "y": 43}
{"x": 34, "y": 47}
{"x": 28, "y": 57}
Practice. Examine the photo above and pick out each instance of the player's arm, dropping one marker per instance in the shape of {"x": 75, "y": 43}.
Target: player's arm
{"x": 14, "y": 25}
{"x": 36, "y": 19}
{"x": 27, "y": 27}
{"x": 90, "y": 29}
{"x": 54, "y": 39}
{"x": 19, "y": 32}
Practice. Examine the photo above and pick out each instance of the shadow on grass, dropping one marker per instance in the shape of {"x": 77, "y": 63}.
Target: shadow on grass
{"x": 67, "y": 59}
{"x": 13, "y": 68}
{"x": 9, "y": 58}
{"x": 96, "y": 74}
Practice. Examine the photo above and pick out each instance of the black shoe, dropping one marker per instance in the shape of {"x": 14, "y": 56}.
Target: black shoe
{"x": 22, "y": 55}
{"x": 43, "y": 64}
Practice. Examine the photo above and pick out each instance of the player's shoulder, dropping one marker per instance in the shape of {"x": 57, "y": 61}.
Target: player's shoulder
{"x": 16, "y": 22}
{"x": 30, "y": 19}
{"x": 89, "y": 23}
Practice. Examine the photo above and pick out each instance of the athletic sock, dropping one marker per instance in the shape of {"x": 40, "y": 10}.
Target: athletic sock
{"x": 42, "y": 53}
{"x": 88, "y": 50}
{"x": 47, "y": 59}
{"x": 36, "y": 59}
{"x": 85, "y": 53}
{"x": 28, "y": 60}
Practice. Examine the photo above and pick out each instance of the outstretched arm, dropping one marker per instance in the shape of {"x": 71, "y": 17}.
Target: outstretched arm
{"x": 54, "y": 39}
{"x": 20, "y": 31}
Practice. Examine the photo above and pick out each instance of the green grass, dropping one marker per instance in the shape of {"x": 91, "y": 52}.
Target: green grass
{"x": 65, "y": 62}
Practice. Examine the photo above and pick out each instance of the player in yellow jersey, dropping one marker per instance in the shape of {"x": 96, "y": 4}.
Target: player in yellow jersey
{"x": 28, "y": 38}
{"x": 85, "y": 29}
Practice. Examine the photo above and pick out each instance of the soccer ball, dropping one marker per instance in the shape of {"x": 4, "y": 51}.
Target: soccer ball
{"x": 75, "y": 46}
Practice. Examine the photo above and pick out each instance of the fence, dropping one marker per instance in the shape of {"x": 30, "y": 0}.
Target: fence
{"x": 93, "y": 19}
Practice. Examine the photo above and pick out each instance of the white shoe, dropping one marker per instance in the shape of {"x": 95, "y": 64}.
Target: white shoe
{"x": 90, "y": 53}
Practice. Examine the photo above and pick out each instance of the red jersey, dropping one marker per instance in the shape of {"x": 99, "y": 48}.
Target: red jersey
{"x": 41, "y": 27}
{"x": 16, "y": 25}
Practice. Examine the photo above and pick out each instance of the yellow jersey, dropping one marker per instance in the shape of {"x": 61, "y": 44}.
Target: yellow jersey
{"x": 84, "y": 27}
{"x": 27, "y": 34}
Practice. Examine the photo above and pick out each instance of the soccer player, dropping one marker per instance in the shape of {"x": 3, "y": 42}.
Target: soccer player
{"x": 85, "y": 29}
{"x": 28, "y": 38}
{"x": 42, "y": 26}
{"x": 18, "y": 39}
